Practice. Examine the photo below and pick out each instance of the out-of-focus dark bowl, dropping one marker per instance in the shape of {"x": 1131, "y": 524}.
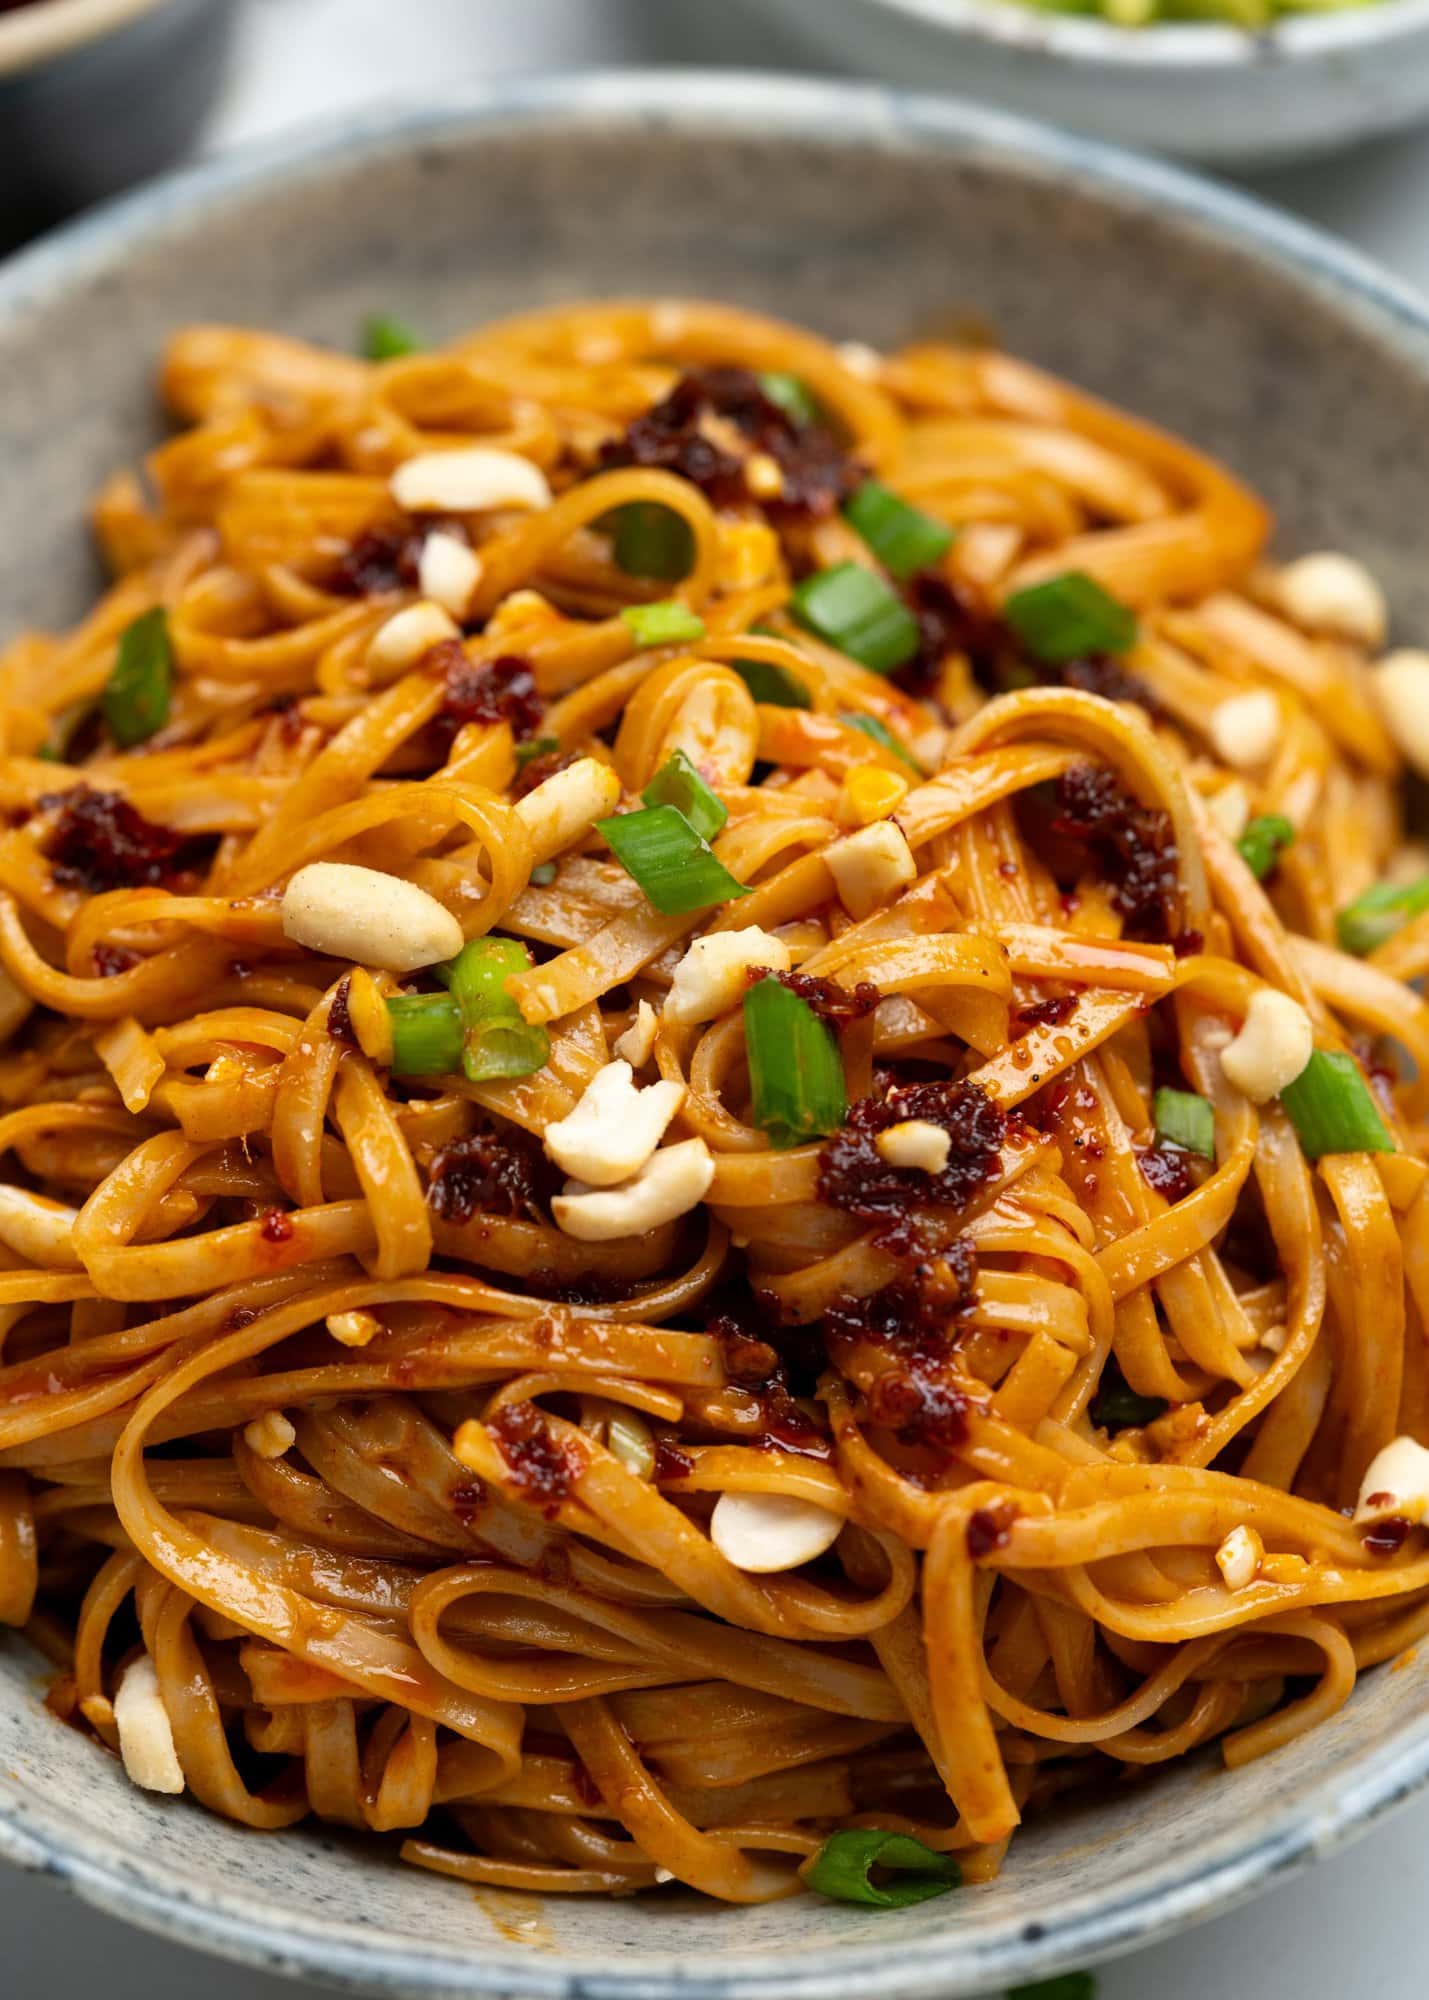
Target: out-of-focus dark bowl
{"x": 97, "y": 94}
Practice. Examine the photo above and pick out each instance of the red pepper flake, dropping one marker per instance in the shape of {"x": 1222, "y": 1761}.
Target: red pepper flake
{"x": 921, "y": 1407}
{"x": 1049, "y": 1013}
{"x": 747, "y": 1361}
{"x": 543, "y": 1470}
{"x": 276, "y": 1226}
{"x": 291, "y": 720}
{"x": 853, "y": 1175}
{"x": 955, "y": 618}
{"x": 1167, "y": 1169}
{"x": 339, "y": 1013}
{"x": 817, "y": 473}
{"x": 497, "y": 1172}
{"x": 504, "y": 690}
{"x": 740, "y": 1322}
{"x": 378, "y": 561}
{"x": 989, "y": 1530}
{"x": 952, "y": 618}
{"x": 1133, "y": 845}
{"x": 916, "y": 1397}
{"x": 465, "y": 1500}
{"x": 100, "y": 842}
{"x": 240, "y": 1317}
{"x": 670, "y": 1461}
{"x": 912, "y": 1313}
{"x": 109, "y": 960}
{"x": 784, "y": 1426}
{"x": 895, "y": 1400}
{"x": 538, "y": 769}
{"x": 1386, "y": 1537}
{"x": 831, "y": 1003}
{"x": 1097, "y": 674}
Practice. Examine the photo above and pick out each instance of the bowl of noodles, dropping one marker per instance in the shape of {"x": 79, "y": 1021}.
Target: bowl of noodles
{"x": 712, "y": 1079}
{"x": 1235, "y": 83}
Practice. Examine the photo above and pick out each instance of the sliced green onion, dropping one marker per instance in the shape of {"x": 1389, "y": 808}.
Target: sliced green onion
{"x": 881, "y": 733}
{"x": 677, "y": 783}
{"x": 1365, "y": 924}
{"x": 1183, "y": 1119}
{"x": 1068, "y": 617}
{"x": 543, "y": 874}
{"x": 1331, "y": 1108}
{"x": 141, "y": 683}
{"x": 667, "y": 624}
{"x": 498, "y": 1042}
{"x": 477, "y": 976}
{"x": 502, "y": 1048}
{"x": 771, "y": 684}
{"x": 1117, "y": 1407}
{"x": 903, "y": 539}
{"x": 796, "y": 1074}
{"x": 387, "y": 339}
{"x": 1264, "y": 841}
{"x": 650, "y": 540}
{"x": 427, "y": 1034}
{"x": 532, "y": 748}
{"x": 660, "y": 850}
{"x": 857, "y": 612}
{"x": 791, "y": 395}
{"x": 843, "y": 1869}
{"x": 1066, "y": 1986}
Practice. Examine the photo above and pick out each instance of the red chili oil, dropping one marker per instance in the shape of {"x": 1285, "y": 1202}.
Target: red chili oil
{"x": 496, "y": 1172}
{"x": 854, "y": 1176}
{"x": 832, "y": 1004}
{"x": 504, "y": 690}
{"x": 1132, "y": 846}
{"x": 542, "y": 1469}
{"x": 988, "y": 1530}
{"x": 817, "y": 473}
{"x": 100, "y": 842}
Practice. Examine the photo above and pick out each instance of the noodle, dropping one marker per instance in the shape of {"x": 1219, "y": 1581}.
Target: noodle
{"x": 920, "y": 1460}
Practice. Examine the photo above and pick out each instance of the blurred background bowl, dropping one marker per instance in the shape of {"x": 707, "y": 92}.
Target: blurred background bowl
{"x": 97, "y": 94}
{"x": 1309, "y": 84}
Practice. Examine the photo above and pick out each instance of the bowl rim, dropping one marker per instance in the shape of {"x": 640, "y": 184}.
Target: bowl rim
{"x": 1177, "y": 46}
{"x": 50, "y": 28}
{"x": 1186, "y": 1886}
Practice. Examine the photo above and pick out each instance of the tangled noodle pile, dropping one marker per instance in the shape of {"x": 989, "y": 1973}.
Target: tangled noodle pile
{"x": 972, "y": 1345}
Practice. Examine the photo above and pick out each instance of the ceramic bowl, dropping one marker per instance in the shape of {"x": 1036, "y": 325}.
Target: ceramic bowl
{"x": 97, "y": 94}
{"x": 875, "y": 217}
{"x": 1222, "y": 95}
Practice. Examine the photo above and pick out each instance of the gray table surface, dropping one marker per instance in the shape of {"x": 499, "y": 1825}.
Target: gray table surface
{"x": 1354, "y": 1928}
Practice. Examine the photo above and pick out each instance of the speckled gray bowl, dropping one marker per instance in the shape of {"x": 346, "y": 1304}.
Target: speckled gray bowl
{"x": 871, "y": 216}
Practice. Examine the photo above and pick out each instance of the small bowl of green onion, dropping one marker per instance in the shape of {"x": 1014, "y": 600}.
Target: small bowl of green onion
{"x": 1227, "y": 82}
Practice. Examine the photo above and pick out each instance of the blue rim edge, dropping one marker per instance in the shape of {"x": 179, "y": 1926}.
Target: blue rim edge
{"x": 852, "y": 115}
